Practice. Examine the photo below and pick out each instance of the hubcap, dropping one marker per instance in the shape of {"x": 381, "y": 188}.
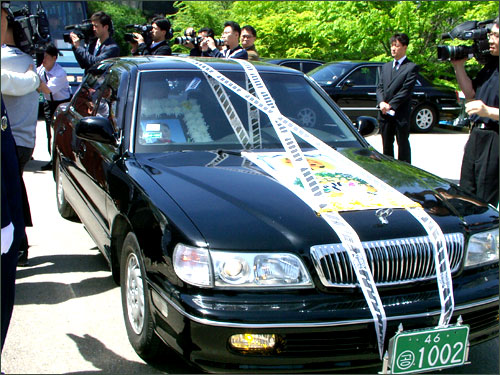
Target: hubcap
{"x": 424, "y": 118}
{"x": 135, "y": 294}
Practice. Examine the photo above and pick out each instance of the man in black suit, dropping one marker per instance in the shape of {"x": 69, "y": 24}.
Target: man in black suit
{"x": 103, "y": 47}
{"x": 161, "y": 33}
{"x": 397, "y": 80}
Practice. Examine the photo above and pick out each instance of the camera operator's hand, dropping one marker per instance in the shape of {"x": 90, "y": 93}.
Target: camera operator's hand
{"x": 477, "y": 107}
{"x": 188, "y": 44}
{"x": 74, "y": 39}
{"x": 206, "y": 43}
{"x": 138, "y": 38}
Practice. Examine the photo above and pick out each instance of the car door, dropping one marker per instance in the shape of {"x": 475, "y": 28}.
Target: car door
{"x": 357, "y": 92}
{"x": 95, "y": 160}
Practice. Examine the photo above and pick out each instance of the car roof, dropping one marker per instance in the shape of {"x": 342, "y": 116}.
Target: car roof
{"x": 279, "y": 60}
{"x": 144, "y": 63}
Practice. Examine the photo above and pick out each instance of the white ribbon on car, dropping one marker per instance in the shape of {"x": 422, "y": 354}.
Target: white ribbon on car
{"x": 315, "y": 197}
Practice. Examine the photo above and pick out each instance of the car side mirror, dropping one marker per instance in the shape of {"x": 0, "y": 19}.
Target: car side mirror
{"x": 97, "y": 129}
{"x": 348, "y": 83}
{"x": 367, "y": 126}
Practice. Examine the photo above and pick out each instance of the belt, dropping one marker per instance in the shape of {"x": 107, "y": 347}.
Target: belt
{"x": 485, "y": 126}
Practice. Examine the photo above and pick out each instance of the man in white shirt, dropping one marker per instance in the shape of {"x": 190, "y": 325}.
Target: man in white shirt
{"x": 55, "y": 92}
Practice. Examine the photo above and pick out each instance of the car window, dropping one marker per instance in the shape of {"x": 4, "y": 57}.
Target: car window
{"x": 291, "y": 64}
{"x": 329, "y": 74}
{"x": 364, "y": 76}
{"x": 186, "y": 110}
{"x": 307, "y": 66}
{"x": 98, "y": 95}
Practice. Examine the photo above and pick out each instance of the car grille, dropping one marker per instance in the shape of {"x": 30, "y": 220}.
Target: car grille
{"x": 392, "y": 261}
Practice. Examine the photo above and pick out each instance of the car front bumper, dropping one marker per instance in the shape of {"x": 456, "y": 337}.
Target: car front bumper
{"x": 199, "y": 327}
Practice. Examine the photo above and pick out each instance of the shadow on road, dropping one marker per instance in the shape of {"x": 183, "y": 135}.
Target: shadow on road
{"x": 109, "y": 362}
{"x": 49, "y": 292}
{"x": 68, "y": 263}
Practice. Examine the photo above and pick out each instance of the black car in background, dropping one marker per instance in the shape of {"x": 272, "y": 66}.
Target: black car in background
{"x": 233, "y": 202}
{"x": 353, "y": 84}
{"x": 304, "y": 65}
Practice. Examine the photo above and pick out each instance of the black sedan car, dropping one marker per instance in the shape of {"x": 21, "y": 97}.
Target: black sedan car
{"x": 253, "y": 229}
{"x": 304, "y": 65}
{"x": 353, "y": 86}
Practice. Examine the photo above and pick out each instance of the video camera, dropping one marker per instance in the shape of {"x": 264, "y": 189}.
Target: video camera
{"x": 195, "y": 40}
{"x": 84, "y": 31}
{"x": 31, "y": 31}
{"x": 470, "y": 30}
{"x": 144, "y": 30}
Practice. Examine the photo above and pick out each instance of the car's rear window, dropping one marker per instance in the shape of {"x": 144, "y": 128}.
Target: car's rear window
{"x": 186, "y": 110}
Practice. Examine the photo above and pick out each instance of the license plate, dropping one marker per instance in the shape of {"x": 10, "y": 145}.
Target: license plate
{"x": 428, "y": 349}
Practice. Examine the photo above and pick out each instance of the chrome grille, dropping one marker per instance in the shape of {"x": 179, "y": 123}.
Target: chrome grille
{"x": 393, "y": 261}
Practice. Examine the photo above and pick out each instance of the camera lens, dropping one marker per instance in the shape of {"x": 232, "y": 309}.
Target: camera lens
{"x": 454, "y": 52}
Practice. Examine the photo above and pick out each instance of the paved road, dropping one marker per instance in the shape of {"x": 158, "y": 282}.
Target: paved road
{"x": 68, "y": 317}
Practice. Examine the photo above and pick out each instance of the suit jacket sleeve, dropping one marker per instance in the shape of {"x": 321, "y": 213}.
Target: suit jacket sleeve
{"x": 86, "y": 59}
{"x": 404, "y": 93}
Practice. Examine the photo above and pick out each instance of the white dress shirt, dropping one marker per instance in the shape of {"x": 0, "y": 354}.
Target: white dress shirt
{"x": 56, "y": 81}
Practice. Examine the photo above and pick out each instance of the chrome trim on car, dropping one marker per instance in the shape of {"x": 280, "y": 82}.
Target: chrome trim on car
{"x": 214, "y": 323}
{"x": 393, "y": 261}
{"x": 134, "y": 115}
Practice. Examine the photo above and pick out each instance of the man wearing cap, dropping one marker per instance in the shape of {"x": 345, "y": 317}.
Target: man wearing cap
{"x": 55, "y": 92}
{"x": 103, "y": 47}
{"x": 160, "y": 34}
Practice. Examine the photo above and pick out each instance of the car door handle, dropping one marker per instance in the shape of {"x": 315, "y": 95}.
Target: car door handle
{"x": 372, "y": 93}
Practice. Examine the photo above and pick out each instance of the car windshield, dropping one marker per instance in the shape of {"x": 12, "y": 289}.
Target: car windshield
{"x": 329, "y": 74}
{"x": 184, "y": 110}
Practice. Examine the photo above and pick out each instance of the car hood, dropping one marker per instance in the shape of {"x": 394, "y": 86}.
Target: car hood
{"x": 236, "y": 205}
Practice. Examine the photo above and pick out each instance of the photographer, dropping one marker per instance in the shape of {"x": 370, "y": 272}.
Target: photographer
{"x": 160, "y": 34}
{"x": 103, "y": 47}
{"x": 479, "y": 173}
{"x": 231, "y": 36}
{"x": 195, "y": 49}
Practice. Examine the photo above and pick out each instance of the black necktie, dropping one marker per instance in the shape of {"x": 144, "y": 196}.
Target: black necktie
{"x": 396, "y": 63}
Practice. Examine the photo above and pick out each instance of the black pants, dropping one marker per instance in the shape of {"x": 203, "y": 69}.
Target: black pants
{"x": 49, "y": 107}
{"x": 479, "y": 173}
{"x": 390, "y": 128}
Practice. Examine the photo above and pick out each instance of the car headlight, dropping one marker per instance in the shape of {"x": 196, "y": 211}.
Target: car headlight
{"x": 225, "y": 269}
{"x": 482, "y": 248}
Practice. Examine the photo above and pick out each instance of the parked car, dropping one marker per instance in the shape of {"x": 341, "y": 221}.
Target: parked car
{"x": 353, "y": 85}
{"x": 232, "y": 239}
{"x": 304, "y": 65}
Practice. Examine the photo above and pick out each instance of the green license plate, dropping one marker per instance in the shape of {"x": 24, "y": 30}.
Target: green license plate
{"x": 428, "y": 349}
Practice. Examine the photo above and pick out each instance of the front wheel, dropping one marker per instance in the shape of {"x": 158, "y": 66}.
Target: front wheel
{"x": 63, "y": 206}
{"x": 136, "y": 302}
{"x": 423, "y": 118}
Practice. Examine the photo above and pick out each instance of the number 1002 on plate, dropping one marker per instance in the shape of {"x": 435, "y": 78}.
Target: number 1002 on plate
{"x": 428, "y": 349}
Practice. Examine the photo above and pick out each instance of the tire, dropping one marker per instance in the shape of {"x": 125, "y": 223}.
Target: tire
{"x": 136, "y": 301}
{"x": 423, "y": 118}
{"x": 63, "y": 206}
